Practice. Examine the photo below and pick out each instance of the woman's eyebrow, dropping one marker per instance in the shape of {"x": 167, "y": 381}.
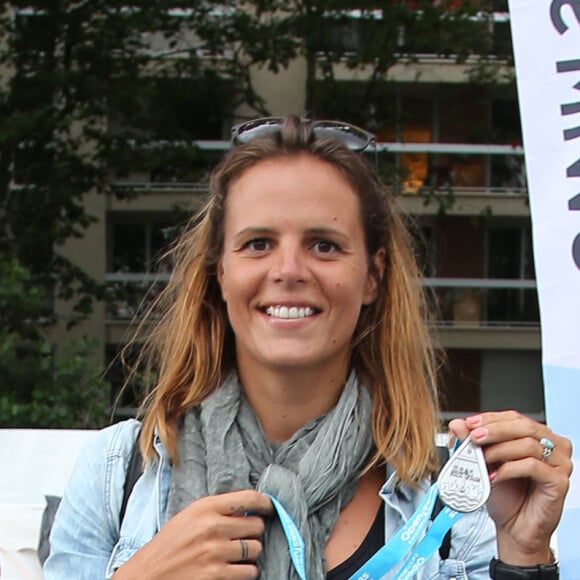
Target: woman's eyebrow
{"x": 322, "y": 231}
{"x": 253, "y": 231}
{"x": 326, "y": 231}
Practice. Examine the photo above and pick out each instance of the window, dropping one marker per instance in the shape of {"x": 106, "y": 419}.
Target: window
{"x": 173, "y": 109}
{"x": 161, "y": 118}
{"x": 507, "y": 171}
{"x": 125, "y": 396}
{"x": 424, "y": 248}
{"x": 136, "y": 241}
{"x": 35, "y": 32}
{"x": 510, "y": 257}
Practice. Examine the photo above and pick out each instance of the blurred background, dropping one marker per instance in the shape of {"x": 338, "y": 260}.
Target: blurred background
{"x": 112, "y": 115}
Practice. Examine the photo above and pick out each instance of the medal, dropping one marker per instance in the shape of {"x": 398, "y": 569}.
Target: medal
{"x": 463, "y": 482}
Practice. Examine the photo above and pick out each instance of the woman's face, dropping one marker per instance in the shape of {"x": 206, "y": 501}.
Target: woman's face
{"x": 294, "y": 271}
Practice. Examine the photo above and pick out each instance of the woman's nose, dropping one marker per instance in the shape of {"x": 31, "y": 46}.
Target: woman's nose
{"x": 290, "y": 265}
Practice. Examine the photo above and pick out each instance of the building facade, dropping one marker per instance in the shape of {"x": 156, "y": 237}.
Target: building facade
{"x": 451, "y": 149}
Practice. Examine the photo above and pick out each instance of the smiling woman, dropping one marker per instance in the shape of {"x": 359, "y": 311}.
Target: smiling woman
{"x": 290, "y": 432}
{"x": 294, "y": 275}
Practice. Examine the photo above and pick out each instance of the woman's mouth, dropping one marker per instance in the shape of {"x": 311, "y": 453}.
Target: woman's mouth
{"x": 292, "y": 312}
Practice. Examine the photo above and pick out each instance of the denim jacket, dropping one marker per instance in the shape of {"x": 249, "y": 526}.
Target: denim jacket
{"x": 87, "y": 544}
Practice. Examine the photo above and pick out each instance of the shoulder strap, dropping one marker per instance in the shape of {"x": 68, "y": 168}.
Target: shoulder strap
{"x": 134, "y": 471}
{"x": 445, "y": 547}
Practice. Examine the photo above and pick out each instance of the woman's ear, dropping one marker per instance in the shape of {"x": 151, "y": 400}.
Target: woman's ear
{"x": 375, "y": 276}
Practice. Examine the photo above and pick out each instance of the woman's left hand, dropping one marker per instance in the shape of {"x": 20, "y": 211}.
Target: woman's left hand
{"x": 527, "y": 488}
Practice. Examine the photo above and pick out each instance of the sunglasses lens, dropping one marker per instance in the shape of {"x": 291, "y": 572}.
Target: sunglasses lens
{"x": 255, "y": 129}
{"x": 353, "y": 137}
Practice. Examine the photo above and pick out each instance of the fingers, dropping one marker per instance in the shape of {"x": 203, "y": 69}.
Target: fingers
{"x": 241, "y": 572}
{"x": 509, "y": 436}
{"x": 244, "y": 550}
{"x": 231, "y": 516}
{"x": 521, "y": 449}
{"x": 234, "y": 508}
{"x": 241, "y": 503}
{"x": 459, "y": 428}
{"x": 236, "y": 527}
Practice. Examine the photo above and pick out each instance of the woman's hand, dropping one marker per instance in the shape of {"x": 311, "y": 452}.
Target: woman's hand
{"x": 527, "y": 489}
{"x": 209, "y": 539}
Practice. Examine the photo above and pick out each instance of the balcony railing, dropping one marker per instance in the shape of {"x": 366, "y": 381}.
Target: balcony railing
{"x": 483, "y": 301}
{"x": 454, "y": 301}
{"x": 129, "y": 296}
{"x": 460, "y": 168}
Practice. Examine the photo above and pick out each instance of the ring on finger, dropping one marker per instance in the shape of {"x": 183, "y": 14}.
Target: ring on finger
{"x": 245, "y": 550}
{"x": 547, "y": 447}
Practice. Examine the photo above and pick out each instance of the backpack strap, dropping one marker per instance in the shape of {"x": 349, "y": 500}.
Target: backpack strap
{"x": 134, "y": 471}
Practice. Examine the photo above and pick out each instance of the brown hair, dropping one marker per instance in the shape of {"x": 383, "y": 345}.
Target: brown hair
{"x": 191, "y": 344}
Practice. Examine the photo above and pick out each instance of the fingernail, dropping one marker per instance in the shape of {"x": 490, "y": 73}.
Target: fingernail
{"x": 492, "y": 475}
{"x": 479, "y": 433}
{"x": 473, "y": 420}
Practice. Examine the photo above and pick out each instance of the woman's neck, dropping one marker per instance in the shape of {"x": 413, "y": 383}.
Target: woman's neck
{"x": 285, "y": 402}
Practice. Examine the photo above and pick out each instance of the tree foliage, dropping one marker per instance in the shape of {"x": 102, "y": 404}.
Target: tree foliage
{"x": 39, "y": 387}
{"x": 369, "y": 38}
{"x": 93, "y": 90}
{"x": 84, "y": 84}
{"x": 85, "y": 87}
{"x": 88, "y": 86}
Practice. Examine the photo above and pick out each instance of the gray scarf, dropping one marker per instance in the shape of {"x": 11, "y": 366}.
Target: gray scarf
{"x": 223, "y": 448}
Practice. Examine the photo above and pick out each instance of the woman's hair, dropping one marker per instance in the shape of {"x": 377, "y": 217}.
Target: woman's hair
{"x": 191, "y": 344}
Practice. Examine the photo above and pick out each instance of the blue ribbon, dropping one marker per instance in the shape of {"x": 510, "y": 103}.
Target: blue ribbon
{"x": 293, "y": 537}
{"x": 395, "y": 551}
{"x": 400, "y": 545}
{"x": 429, "y": 544}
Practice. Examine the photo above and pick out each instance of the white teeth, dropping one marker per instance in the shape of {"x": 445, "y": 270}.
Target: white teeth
{"x": 289, "y": 312}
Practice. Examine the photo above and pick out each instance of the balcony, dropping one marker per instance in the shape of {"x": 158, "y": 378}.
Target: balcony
{"x": 468, "y": 312}
{"x": 485, "y": 313}
{"x": 128, "y": 298}
{"x": 457, "y": 178}
{"x": 460, "y": 178}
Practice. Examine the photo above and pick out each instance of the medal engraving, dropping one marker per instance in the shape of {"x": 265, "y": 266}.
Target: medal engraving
{"x": 463, "y": 482}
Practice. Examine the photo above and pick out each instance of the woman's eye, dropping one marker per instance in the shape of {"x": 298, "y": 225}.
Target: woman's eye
{"x": 257, "y": 245}
{"x": 325, "y": 246}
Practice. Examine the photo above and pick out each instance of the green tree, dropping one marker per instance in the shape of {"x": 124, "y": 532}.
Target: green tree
{"x": 38, "y": 387}
{"x": 84, "y": 87}
{"x": 371, "y": 37}
{"x": 91, "y": 91}
{"x": 88, "y": 87}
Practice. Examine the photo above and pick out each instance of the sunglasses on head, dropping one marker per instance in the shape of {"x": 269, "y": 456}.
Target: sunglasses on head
{"x": 353, "y": 137}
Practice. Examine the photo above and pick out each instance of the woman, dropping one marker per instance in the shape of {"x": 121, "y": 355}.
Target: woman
{"x": 294, "y": 368}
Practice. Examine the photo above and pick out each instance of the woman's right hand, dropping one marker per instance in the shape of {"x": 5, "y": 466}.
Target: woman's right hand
{"x": 204, "y": 541}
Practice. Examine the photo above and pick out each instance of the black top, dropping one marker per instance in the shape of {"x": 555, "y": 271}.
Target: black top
{"x": 374, "y": 540}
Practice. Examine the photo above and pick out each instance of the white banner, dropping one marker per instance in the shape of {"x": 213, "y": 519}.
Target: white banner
{"x": 546, "y": 39}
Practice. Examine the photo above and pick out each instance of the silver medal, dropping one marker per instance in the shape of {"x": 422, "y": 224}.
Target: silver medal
{"x": 463, "y": 482}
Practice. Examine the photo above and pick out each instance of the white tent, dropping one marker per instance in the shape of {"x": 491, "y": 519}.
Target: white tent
{"x": 33, "y": 463}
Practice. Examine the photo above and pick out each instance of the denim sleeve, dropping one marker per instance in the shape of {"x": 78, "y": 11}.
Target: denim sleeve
{"x": 86, "y": 527}
{"x": 473, "y": 545}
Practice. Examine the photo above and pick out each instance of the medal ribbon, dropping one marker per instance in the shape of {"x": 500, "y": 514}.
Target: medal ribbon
{"x": 377, "y": 567}
{"x": 293, "y": 537}
{"x": 395, "y": 551}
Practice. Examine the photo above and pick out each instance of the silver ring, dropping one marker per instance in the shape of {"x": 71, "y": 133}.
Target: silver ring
{"x": 547, "y": 447}
{"x": 245, "y": 550}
